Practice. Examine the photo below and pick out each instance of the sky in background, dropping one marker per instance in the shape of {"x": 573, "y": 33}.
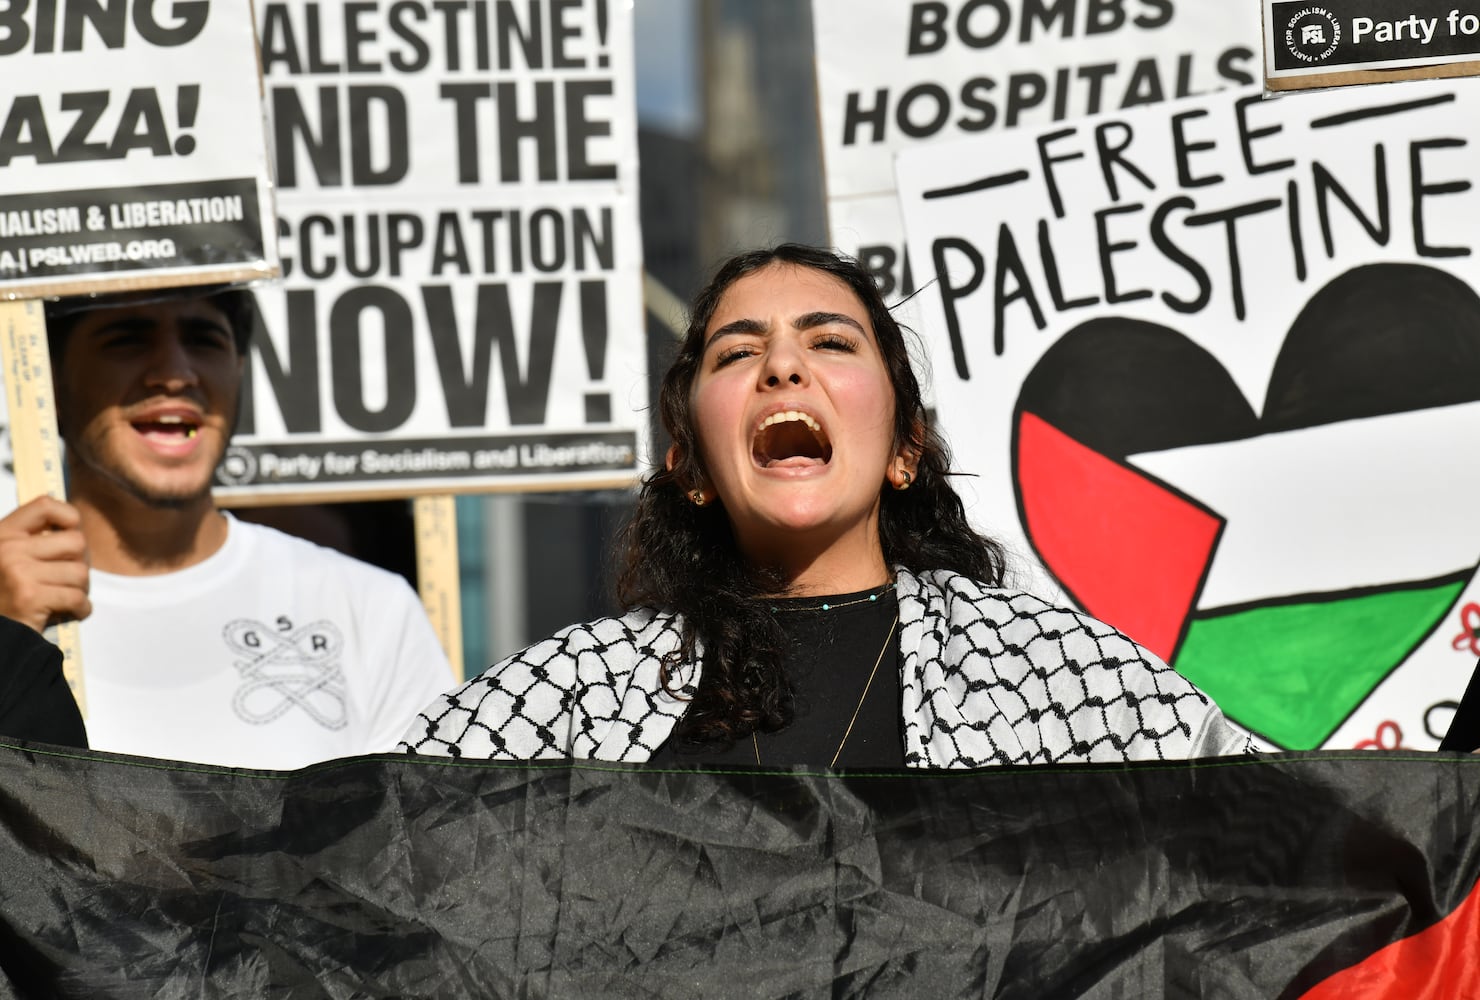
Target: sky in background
{"x": 667, "y": 79}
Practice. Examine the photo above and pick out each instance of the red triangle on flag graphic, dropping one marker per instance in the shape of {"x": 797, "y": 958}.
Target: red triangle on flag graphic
{"x": 1132, "y": 552}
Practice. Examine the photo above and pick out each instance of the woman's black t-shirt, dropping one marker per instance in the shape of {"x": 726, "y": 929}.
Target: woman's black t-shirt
{"x": 838, "y": 648}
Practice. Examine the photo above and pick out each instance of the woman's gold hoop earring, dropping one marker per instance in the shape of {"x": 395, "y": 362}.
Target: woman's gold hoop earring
{"x": 904, "y": 481}
{"x": 698, "y": 497}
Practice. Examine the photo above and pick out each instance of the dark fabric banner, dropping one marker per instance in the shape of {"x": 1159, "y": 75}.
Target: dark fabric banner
{"x": 1320, "y": 875}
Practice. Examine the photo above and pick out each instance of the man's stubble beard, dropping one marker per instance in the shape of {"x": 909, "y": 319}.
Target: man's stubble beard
{"x": 119, "y": 476}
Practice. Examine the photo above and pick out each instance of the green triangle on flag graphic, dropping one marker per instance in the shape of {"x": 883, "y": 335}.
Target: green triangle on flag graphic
{"x": 1293, "y": 672}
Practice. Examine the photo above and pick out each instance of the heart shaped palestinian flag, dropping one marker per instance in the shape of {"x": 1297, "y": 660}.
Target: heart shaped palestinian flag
{"x": 1285, "y": 561}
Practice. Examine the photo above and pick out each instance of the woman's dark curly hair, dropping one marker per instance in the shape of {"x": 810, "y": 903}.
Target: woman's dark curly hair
{"x": 681, "y": 557}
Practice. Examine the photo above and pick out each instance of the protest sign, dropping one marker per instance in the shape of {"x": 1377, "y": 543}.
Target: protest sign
{"x": 1342, "y": 42}
{"x": 461, "y": 306}
{"x": 1215, "y": 364}
{"x": 893, "y": 75}
{"x": 132, "y": 149}
{"x": 132, "y": 155}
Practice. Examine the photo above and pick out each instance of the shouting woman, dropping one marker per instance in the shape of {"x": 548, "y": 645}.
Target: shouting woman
{"x": 802, "y": 585}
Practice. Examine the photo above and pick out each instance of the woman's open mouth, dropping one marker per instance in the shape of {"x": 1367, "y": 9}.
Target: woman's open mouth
{"x": 790, "y": 439}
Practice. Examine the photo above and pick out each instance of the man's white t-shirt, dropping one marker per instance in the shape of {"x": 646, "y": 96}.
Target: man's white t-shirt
{"x": 273, "y": 653}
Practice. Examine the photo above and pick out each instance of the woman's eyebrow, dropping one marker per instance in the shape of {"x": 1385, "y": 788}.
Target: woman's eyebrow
{"x": 812, "y": 319}
{"x": 806, "y": 321}
{"x": 745, "y": 326}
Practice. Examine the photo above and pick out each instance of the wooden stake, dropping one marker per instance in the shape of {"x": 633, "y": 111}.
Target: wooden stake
{"x": 437, "y": 572}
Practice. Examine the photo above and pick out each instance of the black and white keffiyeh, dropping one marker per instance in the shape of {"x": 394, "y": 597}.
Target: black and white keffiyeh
{"x": 988, "y": 676}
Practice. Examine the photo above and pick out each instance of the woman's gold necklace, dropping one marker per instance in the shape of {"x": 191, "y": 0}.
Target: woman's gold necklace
{"x": 756, "y": 743}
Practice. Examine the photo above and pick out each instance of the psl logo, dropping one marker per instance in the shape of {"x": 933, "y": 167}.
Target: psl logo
{"x": 1313, "y": 34}
{"x": 238, "y": 466}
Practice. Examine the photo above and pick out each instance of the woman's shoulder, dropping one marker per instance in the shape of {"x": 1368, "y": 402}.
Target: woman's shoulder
{"x": 522, "y": 706}
{"x": 638, "y": 633}
{"x": 639, "y": 627}
{"x": 1019, "y": 620}
{"x": 955, "y": 594}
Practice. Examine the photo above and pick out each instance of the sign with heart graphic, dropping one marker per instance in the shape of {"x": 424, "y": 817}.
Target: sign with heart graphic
{"x": 1215, "y": 365}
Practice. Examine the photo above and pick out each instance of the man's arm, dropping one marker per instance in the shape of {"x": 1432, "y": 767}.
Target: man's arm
{"x": 43, "y": 564}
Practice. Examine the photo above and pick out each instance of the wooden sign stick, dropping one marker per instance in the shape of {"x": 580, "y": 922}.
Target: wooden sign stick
{"x": 436, "y": 572}
{"x": 35, "y": 442}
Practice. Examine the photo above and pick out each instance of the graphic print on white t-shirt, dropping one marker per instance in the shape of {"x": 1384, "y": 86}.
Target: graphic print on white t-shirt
{"x": 273, "y": 653}
{"x": 284, "y": 668}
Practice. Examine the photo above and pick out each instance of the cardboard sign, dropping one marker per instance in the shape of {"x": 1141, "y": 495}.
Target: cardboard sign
{"x": 1215, "y": 364}
{"x": 461, "y": 306}
{"x": 895, "y": 75}
{"x": 1336, "y": 42}
{"x": 132, "y": 148}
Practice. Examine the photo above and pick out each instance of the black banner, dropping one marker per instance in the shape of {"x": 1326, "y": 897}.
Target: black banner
{"x": 1297, "y": 875}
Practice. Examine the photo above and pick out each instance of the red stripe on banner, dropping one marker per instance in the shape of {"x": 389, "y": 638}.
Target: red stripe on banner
{"x": 1436, "y": 964}
{"x": 1130, "y": 551}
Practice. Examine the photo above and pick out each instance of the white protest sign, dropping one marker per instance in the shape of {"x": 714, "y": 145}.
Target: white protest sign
{"x": 1216, "y": 363}
{"x": 461, "y": 306}
{"x": 895, "y": 75}
{"x": 132, "y": 149}
{"x": 132, "y": 155}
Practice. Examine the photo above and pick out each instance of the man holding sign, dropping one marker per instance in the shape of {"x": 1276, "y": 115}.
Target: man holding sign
{"x": 204, "y": 638}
